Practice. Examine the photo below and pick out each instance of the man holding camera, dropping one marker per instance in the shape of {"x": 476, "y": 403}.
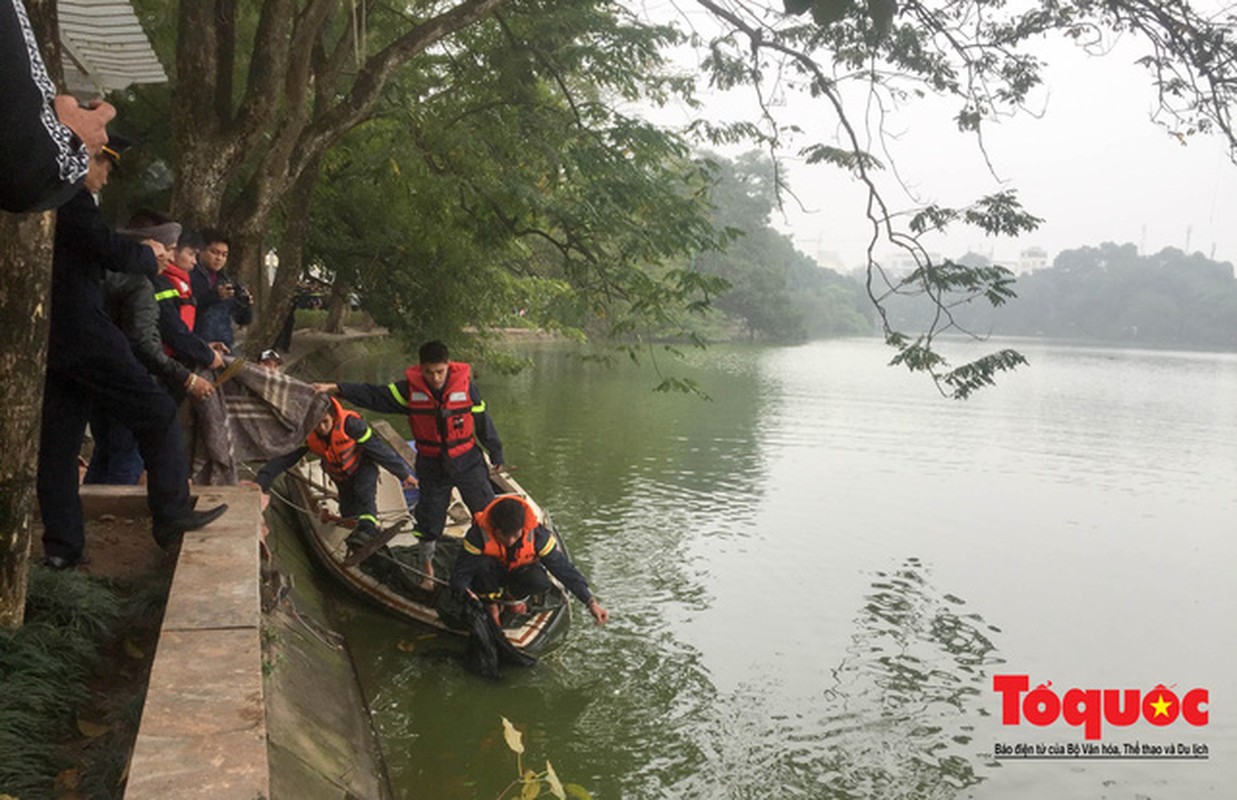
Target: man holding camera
{"x": 220, "y": 300}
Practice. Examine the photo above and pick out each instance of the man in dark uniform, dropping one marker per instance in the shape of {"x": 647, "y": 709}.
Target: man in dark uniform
{"x": 351, "y": 455}
{"x": 506, "y": 554}
{"x": 447, "y": 418}
{"x": 89, "y": 361}
{"x": 147, "y": 313}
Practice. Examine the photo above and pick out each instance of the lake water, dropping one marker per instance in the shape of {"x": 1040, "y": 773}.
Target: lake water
{"x": 815, "y": 576}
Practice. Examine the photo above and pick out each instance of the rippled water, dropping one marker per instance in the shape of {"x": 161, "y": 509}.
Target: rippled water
{"x": 814, "y": 577}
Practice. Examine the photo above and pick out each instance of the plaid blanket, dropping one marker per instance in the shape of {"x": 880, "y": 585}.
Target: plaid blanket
{"x": 257, "y": 415}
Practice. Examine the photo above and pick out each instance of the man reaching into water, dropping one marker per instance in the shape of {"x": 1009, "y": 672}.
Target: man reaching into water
{"x": 506, "y": 554}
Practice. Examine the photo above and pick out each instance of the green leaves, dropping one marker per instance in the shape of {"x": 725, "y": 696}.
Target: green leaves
{"x": 1001, "y": 214}
{"x": 519, "y": 195}
{"x": 531, "y": 783}
{"x": 850, "y": 160}
{"x": 959, "y": 382}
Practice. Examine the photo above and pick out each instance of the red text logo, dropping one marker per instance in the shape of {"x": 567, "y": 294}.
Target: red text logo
{"x": 1091, "y": 708}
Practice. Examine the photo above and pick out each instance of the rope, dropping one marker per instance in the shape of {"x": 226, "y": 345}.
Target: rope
{"x": 377, "y": 554}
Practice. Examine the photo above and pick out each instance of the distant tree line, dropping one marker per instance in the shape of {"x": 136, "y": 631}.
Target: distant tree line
{"x": 1111, "y": 293}
{"x": 776, "y": 293}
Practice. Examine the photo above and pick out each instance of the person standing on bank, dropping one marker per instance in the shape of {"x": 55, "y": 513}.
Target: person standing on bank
{"x": 447, "y": 418}
{"x": 89, "y": 361}
{"x": 220, "y": 300}
{"x": 135, "y": 306}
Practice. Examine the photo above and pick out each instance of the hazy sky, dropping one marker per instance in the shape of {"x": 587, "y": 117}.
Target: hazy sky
{"x": 1089, "y": 162}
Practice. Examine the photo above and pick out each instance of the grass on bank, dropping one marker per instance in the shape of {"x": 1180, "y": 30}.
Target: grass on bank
{"x": 72, "y": 684}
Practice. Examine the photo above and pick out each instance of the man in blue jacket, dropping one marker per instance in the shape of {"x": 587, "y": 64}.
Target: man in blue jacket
{"x": 221, "y": 301}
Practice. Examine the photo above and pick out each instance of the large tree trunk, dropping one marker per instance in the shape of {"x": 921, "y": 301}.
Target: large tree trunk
{"x": 25, "y": 289}
{"x": 278, "y": 302}
{"x": 25, "y": 263}
{"x": 303, "y": 90}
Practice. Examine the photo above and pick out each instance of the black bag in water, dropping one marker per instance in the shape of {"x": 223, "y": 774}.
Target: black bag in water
{"x": 487, "y": 645}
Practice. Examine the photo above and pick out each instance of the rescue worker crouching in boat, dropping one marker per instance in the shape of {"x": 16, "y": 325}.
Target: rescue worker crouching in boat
{"x": 351, "y": 455}
{"x": 507, "y": 552}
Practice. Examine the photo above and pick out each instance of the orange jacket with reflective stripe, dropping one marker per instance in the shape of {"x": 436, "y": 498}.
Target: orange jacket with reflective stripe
{"x": 341, "y": 454}
{"x": 525, "y": 551}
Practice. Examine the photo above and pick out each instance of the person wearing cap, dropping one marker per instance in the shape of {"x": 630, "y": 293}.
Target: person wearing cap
{"x": 177, "y": 311}
{"x": 48, "y": 138}
{"x": 147, "y": 313}
{"x": 89, "y": 361}
{"x": 270, "y": 359}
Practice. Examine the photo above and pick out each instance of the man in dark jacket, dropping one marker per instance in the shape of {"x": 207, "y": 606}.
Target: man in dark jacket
{"x": 447, "y": 418}
{"x": 505, "y": 557}
{"x": 134, "y": 305}
{"x": 47, "y": 139}
{"x": 221, "y": 301}
{"x": 351, "y": 455}
{"x": 89, "y": 361}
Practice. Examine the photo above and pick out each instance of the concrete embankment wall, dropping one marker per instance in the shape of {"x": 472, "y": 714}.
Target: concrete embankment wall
{"x": 251, "y": 694}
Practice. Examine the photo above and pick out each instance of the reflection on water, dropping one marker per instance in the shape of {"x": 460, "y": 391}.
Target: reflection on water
{"x": 761, "y": 645}
{"x": 908, "y": 691}
{"x": 897, "y": 721}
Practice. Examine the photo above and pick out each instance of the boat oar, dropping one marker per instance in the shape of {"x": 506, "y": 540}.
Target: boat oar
{"x": 373, "y": 545}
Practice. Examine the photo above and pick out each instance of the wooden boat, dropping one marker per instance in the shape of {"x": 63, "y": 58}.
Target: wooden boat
{"x": 391, "y": 577}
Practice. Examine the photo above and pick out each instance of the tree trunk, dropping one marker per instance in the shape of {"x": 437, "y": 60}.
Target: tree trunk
{"x": 278, "y": 302}
{"x": 259, "y": 138}
{"x": 337, "y": 308}
{"x": 25, "y": 263}
{"x": 25, "y": 291}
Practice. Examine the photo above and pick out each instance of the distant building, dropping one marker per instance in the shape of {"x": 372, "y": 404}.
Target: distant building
{"x": 1030, "y": 260}
{"x": 900, "y": 263}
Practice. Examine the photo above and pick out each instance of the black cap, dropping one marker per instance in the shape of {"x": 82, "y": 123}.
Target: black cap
{"x": 116, "y": 145}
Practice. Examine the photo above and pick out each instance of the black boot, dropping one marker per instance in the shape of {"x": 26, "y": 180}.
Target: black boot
{"x": 167, "y": 533}
{"x": 59, "y": 563}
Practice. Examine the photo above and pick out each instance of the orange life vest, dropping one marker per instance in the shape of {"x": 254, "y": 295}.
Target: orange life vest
{"x": 437, "y": 424}
{"x": 525, "y": 551}
{"x": 341, "y": 454}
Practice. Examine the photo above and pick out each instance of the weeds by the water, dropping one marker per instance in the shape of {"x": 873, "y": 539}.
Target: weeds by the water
{"x": 47, "y": 669}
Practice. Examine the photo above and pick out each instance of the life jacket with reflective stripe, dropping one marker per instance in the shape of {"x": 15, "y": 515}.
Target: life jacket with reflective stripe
{"x": 437, "y": 424}
{"x": 341, "y": 454}
{"x": 184, "y": 291}
{"x": 523, "y": 552}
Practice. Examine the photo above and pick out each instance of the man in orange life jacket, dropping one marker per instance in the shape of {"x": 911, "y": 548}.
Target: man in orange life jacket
{"x": 507, "y": 551}
{"x": 351, "y": 455}
{"x": 447, "y": 418}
